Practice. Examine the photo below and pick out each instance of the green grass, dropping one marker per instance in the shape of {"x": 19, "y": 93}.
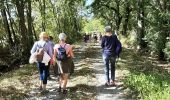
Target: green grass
{"x": 147, "y": 79}
{"x": 14, "y": 84}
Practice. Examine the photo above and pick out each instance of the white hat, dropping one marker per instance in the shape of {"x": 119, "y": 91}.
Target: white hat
{"x": 62, "y": 36}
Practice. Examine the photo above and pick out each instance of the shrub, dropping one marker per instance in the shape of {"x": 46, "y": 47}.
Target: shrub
{"x": 167, "y": 50}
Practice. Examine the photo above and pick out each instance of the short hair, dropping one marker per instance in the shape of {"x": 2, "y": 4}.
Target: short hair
{"x": 62, "y": 36}
{"x": 50, "y": 38}
{"x": 108, "y": 29}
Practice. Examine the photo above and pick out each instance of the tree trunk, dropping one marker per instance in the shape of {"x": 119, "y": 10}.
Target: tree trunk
{"x": 118, "y": 17}
{"x": 29, "y": 20}
{"x": 56, "y": 14}
{"x": 126, "y": 21}
{"x": 141, "y": 26}
{"x": 11, "y": 24}
{"x": 6, "y": 26}
{"x": 20, "y": 4}
{"x": 34, "y": 33}
{"x": 42, "y": 10}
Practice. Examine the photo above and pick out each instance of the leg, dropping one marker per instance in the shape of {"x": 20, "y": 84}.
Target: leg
{"x": 48, "y": 70}
{"x": 39, "y": 64}
{"x": 60, "y": 82}
{"x": 112, "y": 60}
{"x": 65, "y": 81}
{"x": 45, "y": 75}
{"x": 106, "y": 63}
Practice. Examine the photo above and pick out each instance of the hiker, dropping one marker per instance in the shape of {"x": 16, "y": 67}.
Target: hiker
{"x": 50, "y": 40}
{"x": 63, "y": 54}
{"x": 109, "y": 43}
{"x": 85, "y": 37}
{"x": 43, "y": 49}
{"x": 95, "y": 37}
{"x": 100, "y": 36}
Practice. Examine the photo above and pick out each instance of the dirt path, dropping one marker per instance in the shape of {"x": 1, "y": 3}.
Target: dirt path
{"x": 103, "y": 92}
{"x": 87, "y": 81}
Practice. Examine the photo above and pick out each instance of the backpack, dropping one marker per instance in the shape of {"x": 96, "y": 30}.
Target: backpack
{"x": 118, "y": 48}
{"x": 40, "y": 53}
{"x": 62, "y": 55}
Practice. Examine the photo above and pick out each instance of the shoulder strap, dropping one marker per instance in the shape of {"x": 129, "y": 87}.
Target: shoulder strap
{"x": 64, "y": 46}
{"x": 40, "y": 46}
{"x": 44, "y": 44}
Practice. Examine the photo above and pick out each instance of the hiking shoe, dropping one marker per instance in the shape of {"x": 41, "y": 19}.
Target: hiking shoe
{"x": 40, "y": 88}
{"x": 44, "y": 91}
{"x": 64, "y": 91}
{"x": 49, "y": 78}
{"x": 112, "y": 83}
{"x": 59, "y": 89}
{"x": 107, "y": 84}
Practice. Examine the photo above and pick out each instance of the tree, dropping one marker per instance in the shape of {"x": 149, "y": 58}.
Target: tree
{"x": 6, "y": 24}
{"x": 158, "y": 26}
{"x": 29, "y": 21}
{"x": 141, "y": 24}
{"x": 128, "y": 10}
{"x": 20, "y": 5}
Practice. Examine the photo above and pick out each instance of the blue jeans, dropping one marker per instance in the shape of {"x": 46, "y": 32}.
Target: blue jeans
{"x": 48, "y": 69}
{"x": 109, "y": 59}
{"x": 43, "y": 70}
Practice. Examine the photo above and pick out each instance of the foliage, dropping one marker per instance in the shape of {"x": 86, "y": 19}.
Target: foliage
{"x": 167, "y": 50}
{"x": 149, "y": 86}
{"x": 93, "y": 25}
{"x": 157, "y": 30}
{"x": 149, "y": 19}
{"x": 22, "y": 21}
{"x": 16, "y": 83}
{"x": 148, "y": 78}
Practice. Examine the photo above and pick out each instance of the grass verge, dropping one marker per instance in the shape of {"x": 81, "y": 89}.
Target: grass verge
{"x": 15, "y": 84}
{"x": 148, "y": 79}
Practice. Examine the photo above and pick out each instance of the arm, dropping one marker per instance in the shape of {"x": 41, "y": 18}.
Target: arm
{"x": 71, "y": 52}
{"x": 34, "y": 48}
{"x": 102, "y": 42}
{"x": 118, "y": 46}
{"x": 54, "y": 55}
{"x": 50, "y": 51}
{"x": 116, "y": 41}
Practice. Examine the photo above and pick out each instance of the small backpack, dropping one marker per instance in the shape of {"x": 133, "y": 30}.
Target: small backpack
{"x": 62, "y": 55}
{"x": 40, "y": 53}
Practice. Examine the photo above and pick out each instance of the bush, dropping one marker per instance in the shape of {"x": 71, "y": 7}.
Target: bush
{"x": 167, "y": 50}
{"x": 150, "y": 87}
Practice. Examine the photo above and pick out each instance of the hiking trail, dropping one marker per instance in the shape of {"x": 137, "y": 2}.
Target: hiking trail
{"x": 88, "y": 80}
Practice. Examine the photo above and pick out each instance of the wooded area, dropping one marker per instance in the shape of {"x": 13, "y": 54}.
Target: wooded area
{"x": 23, "y": 20}
{"x": 148, "y": 19}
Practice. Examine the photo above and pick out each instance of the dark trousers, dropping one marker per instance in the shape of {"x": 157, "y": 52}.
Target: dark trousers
{"x": 109, "y": 60}
{"x": 43, "y": 70}
{"x": 48, "y": 69}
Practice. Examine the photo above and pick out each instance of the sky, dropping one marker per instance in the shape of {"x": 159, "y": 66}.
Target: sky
{"x": 88, "y": 2}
